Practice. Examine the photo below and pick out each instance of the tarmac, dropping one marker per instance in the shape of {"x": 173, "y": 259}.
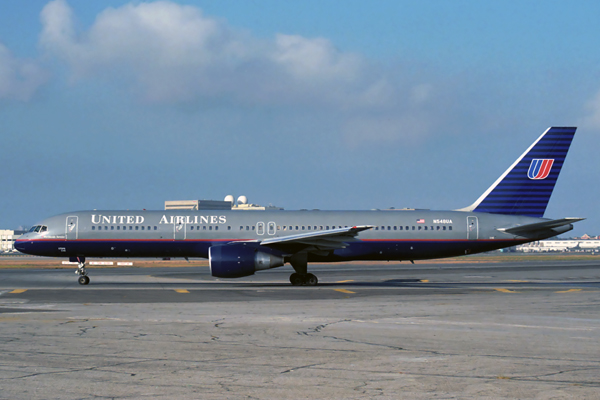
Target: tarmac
{"x": 527, "y": 330}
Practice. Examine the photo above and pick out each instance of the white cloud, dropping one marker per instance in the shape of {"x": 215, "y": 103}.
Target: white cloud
{"x": 170, "y": 53}
{"x": 592, "y": 119}
{"x": 19, "y": 79}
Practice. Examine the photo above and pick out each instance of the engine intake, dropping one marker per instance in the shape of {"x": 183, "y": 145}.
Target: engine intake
{"x": 238, "y": 260}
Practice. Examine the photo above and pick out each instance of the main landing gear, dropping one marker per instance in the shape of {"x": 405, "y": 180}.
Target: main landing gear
{"x": 301, "y": 277}
{"x": 297, "y": 279}
{"x": 82, "y": 272}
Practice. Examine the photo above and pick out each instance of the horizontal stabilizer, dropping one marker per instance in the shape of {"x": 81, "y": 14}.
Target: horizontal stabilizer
{"x": 540, "y": 226}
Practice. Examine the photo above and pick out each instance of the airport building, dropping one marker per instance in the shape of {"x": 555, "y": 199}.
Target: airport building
{"x": 7, "y": 239}
{"x": 227, "y": 204}
{"x": 567, "y": 245}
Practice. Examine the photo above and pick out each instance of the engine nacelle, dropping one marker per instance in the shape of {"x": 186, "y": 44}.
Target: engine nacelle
{"x": 238, "y": 260}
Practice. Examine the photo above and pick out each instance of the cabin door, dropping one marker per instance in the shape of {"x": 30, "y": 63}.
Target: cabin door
{"x": 179, "y": 229}
{"x": 472, "y": 228}
{"x": 71, "y": 233}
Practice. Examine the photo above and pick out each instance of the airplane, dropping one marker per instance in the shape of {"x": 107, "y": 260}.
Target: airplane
{"x": 240, "y": 243}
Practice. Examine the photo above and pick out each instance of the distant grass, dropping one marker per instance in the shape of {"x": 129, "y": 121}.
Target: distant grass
{"x": 56, "y": 263}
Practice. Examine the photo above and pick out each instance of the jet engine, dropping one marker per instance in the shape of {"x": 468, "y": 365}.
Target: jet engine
{"x": 237, "y": 260}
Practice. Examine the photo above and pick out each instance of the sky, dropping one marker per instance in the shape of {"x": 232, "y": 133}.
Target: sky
{"x": 305, "y": 104}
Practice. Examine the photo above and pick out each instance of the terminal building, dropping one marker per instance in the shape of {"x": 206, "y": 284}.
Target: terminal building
{"x": 566, "y": 245}
{"x": 7, "y": 240}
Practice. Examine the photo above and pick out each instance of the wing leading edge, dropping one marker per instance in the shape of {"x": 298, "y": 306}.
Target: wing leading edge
{"x": 317, "y": 241}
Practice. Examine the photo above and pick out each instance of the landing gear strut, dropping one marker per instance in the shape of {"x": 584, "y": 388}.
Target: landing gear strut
{"x": 82, "y": 272}
{"x": 301, "y": 277}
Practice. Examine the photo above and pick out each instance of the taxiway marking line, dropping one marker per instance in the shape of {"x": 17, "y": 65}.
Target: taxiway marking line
{"x": 181, "y": 291}
{"x": 424, "y": 280}
{"x": 18, "y": 291}
{"x": 516, "y": 280}
{"x": 344, "y": 291}
{"x": 505, "y": 290}
{"x": 345, "y": 281}
{"x": 569, "y": 291}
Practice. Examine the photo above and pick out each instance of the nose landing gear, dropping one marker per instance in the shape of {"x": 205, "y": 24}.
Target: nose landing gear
{"x": 82, "y": 272}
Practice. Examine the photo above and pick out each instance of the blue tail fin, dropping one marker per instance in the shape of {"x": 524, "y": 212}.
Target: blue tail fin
{"x": 525, "y": 188}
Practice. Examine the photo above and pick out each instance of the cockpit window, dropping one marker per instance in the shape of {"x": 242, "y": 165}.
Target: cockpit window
{"x": 44, "y": 229}
{"x": 32, "y": 228}
{"x": 38, "y": 228}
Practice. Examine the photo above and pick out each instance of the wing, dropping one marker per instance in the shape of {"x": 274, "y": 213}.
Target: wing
{"x": 318, "y": 242}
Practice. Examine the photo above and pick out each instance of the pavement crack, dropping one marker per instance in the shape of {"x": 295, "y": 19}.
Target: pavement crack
{"x": 361, "y": 342}
{"x": 297, "y": 368}
{"x": 320, "y": 327}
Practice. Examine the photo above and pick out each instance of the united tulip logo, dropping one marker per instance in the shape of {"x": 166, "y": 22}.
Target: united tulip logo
{"x": 540, "y": 168}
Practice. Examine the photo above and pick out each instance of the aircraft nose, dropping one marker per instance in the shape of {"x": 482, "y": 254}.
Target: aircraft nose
{"x": 21, "y": 245}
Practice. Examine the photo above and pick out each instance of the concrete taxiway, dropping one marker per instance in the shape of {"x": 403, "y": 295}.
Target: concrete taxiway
{"x": 387, "y": 330}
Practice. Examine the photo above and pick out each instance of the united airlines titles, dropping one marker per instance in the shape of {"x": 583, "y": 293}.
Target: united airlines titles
{"x": 165, "y": 219}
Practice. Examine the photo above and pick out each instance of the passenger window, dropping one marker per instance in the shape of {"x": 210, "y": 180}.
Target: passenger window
{"x": 389, "y": 228}
{"x": 420, "y": 227}
{"x": 93, "y": 228}
{"x": 210, "y": 228}
{"x": 143, "y": 227}
{"x": 155, "y": 228}
{"x": 444, "y": 228}
{"x": 118, "y": 228}
{"x": 413, "y": 228}
{"x": 204, "y": 227}
{"x": 424, "y": 227}
{"x": 450, "y": 228}
{"x": 247, "y": 228}
{"x": 229, "y": 228}
{"x": 376, "y": 228}
{"x": 149, "y": 228}
{"x": 438, "y": 227}
{"x": 303, "y": 227}
{"x": 395, "y": 228}
{"x": 137, "y": 228}
{"x": 296, "y": 227}
{"x": 217, "y": 228}
{"x": 241, "y": 228}
{"x": 191, "y": 228}
{"x": 131, "y": 228}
